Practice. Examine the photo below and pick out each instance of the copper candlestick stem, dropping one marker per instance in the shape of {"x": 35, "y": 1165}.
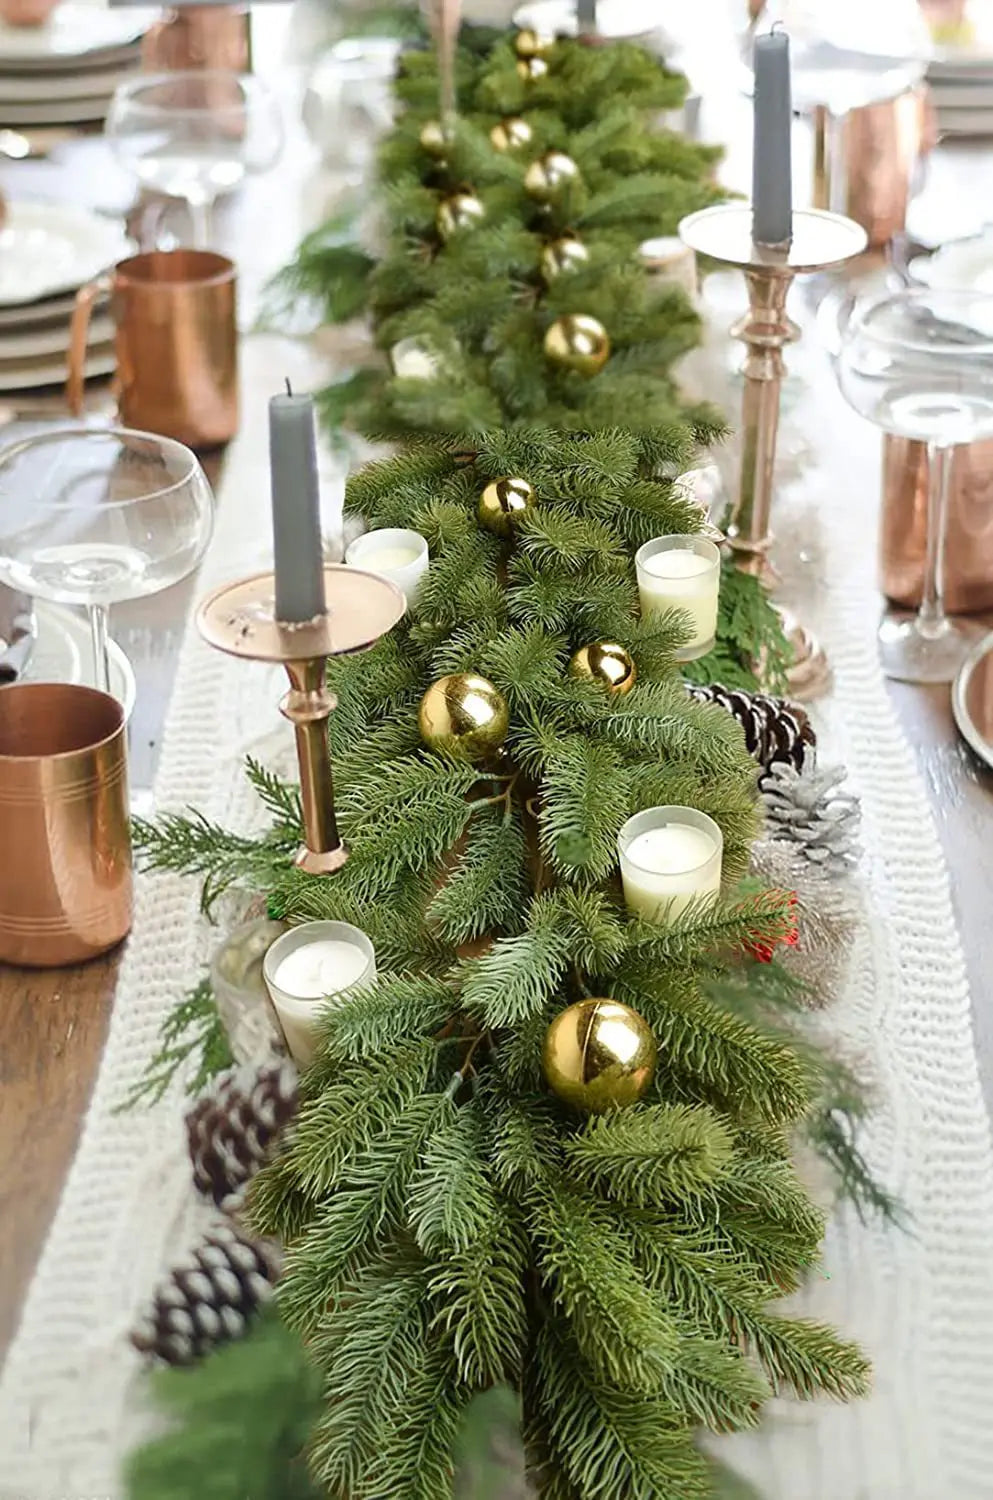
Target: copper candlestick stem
{"x": 239, "y": 618}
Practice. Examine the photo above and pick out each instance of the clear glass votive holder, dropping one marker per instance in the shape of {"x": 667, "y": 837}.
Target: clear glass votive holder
{"x": 306, "y": 969}
{"x": 240, "y": 993}
{"x": 669, "y": 856}
{"x": 394, "y": 553}
{"x": 682, "y": 572}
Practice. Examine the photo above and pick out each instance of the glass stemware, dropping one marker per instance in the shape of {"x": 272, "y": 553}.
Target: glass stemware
{"x": 94, "y": 516}
{"x": 195, "y": 135}
{"x": 920, "y": 365}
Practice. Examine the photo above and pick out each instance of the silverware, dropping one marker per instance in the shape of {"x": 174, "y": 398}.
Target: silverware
{"x": 18, "y": 632}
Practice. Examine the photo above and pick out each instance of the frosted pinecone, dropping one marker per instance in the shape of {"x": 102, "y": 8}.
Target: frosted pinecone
{"x": 775, "y": 729}
{"x": 812, "y": 812}
{"x": 235, "y": 1124}
{"x": 210, "y": 1299}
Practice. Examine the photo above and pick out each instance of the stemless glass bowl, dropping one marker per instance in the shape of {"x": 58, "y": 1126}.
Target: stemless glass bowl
{"x": 920, "y": 365}
{"x": 94, "y": 516}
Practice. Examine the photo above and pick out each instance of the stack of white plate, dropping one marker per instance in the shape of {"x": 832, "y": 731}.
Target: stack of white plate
{"x": 64, "y": 72}
{"x": 47, "y": 252}
{"x": 961, "y": 74}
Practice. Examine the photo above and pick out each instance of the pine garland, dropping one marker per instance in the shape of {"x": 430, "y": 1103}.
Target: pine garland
{"x": 448, "y": 1224}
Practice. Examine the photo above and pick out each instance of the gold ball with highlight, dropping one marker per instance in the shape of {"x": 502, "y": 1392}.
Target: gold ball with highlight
{"x": 599, "y": 1055}
{"x": 558, "y": 257}
{"x": 578, "y": 342}
{"x": 432, "y": 139}
{"x": 457, "y": 212}
{"x": 464, "y": 716}
{"x": 608, "y": 663}
{"x": 530, "y": 69}
{"x": 529, "y": 42}
{"x": 511, "y": 134}
{"x": 502, "y": 501}
{"x": 548, "y": 177}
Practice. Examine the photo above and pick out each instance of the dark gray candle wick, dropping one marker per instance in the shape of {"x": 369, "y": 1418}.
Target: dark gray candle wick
{"x": 289, "y": 388}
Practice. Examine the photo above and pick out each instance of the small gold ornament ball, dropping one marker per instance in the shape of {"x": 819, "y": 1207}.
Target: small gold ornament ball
{"x": 599, "y": 1055}
{"x": 578, "y": 342}
{"x": 531, "y": 43}
{"x": 432, "y": 139}
{"x": 546, "y": 178}
{"x": 567, "y": 253}
{"x": 459, "y": 211}
{"x": 511, "y": 134}
{"x": 608, "y": 663}
{"x": 502, "y": 501}
{"x": 463, "y": 715}
{"x": 531, "y": 68}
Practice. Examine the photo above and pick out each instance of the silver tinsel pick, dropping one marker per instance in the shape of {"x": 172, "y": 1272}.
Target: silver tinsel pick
{"x": 811, "y": 811}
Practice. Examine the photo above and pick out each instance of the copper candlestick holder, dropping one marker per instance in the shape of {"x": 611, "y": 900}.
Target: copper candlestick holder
{"x": 239, "y": 618}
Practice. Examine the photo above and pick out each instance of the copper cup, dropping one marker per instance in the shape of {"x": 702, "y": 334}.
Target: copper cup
{"x": 968, "y": 552}
{"x": 867, "y": 162}
{"x": 65, "y": 876}
{"x": 176, "y": 344}
{"x": 205, "y": 36}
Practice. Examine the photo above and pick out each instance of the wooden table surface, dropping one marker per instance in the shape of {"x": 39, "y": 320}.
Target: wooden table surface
{"x": 53, "y": 1024}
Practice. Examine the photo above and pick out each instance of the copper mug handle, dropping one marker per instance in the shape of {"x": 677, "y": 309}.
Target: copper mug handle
{"x": 79, "y": 331}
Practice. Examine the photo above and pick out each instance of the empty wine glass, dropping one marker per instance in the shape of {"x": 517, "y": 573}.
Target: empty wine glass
{"x": 194, "y": 135}
{"x": 95, "y": 516}
{"x": 920, "y": 365}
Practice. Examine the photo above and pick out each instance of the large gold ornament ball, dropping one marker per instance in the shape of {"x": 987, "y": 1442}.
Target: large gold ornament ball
{"x": 599, "y": 1055}
{"x": 432, "y": 139}
{"x": 502, "y": 501}
{"x": 511, "y": 134}
{"x": 549, "y": 176}
{"x": 607, "y": 663}
{"x": 457, "y": 212}
{"x": 530, "y": 42}
{"x": 531, "y": 68}
{"x": 463, "y": 715}
{"x": 578, "y": 342}
{"x": 558, "y": 257}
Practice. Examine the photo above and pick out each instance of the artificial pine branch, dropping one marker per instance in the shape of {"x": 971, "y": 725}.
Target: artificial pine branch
{"x": 190, "y": 1033}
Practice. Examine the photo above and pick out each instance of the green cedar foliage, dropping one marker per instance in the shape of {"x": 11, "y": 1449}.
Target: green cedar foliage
{"x": 449, "y": 1225}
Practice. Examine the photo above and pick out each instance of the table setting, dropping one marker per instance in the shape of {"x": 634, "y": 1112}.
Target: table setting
{"x": 543, "y": 973}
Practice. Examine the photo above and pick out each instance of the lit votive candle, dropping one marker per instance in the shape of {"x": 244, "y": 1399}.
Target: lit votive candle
{"x": 669, "y": 857}
{"x": 393, "y": 553}
{"x": 307, "y": 969}
{"x": 414, "y": 360}
{"x": 682, "y": 572}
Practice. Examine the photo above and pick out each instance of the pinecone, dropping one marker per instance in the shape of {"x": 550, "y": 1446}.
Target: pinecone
{"x": 814, "y": 815}
{"x": 210, "y": 1299}
{"x": 776, "y": 731}
{"x": 234, "y": 1125}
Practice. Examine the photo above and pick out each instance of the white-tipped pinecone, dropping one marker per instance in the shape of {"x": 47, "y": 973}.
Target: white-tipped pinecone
{"x": 813, "y": 813}
{"x": 775, "y": 729}
{"x": 234, "y": 1125}
{"x": 210, "y": 1299}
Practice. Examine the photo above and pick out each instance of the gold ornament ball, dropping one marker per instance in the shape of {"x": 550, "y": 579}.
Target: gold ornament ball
{"x": 578, "y": 342}
{"x": 531, "y": 68}
{"x": 459, "y": 211}
{"x": 511, "y": 134}
{"x": 502, "y": 501}
{"x": 532, "y": 43}
{"x": 432, "y": 139}
{"x": 463, "y": 715}
{"x": 607, "y": 663}
{"x": 565, "y": 254}
{"x": 546, "y": 178}
{"x": 599, "y": 1055}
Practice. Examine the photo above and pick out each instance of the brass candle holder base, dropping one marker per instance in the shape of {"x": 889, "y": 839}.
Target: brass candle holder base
{"x": 239, "y": 618}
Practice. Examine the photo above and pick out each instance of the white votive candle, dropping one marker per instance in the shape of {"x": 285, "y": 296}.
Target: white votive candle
{"x": 669, "y": 857}
{"x": 393, "y": 553}
{"x": 682, "y": 572}
{"x": 306, "y": 969}
{"x": 413, "y": 360}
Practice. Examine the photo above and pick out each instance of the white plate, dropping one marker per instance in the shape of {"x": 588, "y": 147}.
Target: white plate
{"x": 56, "y": 112}
{"x": 26, "y": 374}
{"x": 47, "y": 311}
{"x": 48, "y": 247}
{"x": 50, "y": 338}
{"x": 63, "y": 653}
{"x": 18, "y": 88}
{"x": 73, "y": 31}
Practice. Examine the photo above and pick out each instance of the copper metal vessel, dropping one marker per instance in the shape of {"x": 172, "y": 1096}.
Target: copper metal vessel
{"x": 175, "y": 341}
{"x": 968, "y": 555}
{"x": 65, "y": 874}
{"x": 203, "y": 36}
{"x": 866, "y": 162}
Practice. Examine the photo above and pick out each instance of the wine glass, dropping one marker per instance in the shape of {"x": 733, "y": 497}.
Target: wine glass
{"x": 920, "y": 365}
{"x": 195, "y": 135}
{"x": 94, "y": 516}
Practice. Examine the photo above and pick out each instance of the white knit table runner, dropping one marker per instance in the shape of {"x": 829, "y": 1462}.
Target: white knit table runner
{"x": 921, "y": 1303}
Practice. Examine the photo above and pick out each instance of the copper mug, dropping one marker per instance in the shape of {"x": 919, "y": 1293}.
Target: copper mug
{"x": 968, "y": 551}
{"x": 65, "y": 876}
{"x": 868, "y": 162}
{"x": 175, "y": 340}
{"x": 204, "y": 36}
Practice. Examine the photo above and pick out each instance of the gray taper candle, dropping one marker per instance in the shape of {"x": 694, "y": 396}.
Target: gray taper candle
{"x": 586, "y": 17}
{"x": 296, "y": 516}
{"x": 772, "y": 165}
